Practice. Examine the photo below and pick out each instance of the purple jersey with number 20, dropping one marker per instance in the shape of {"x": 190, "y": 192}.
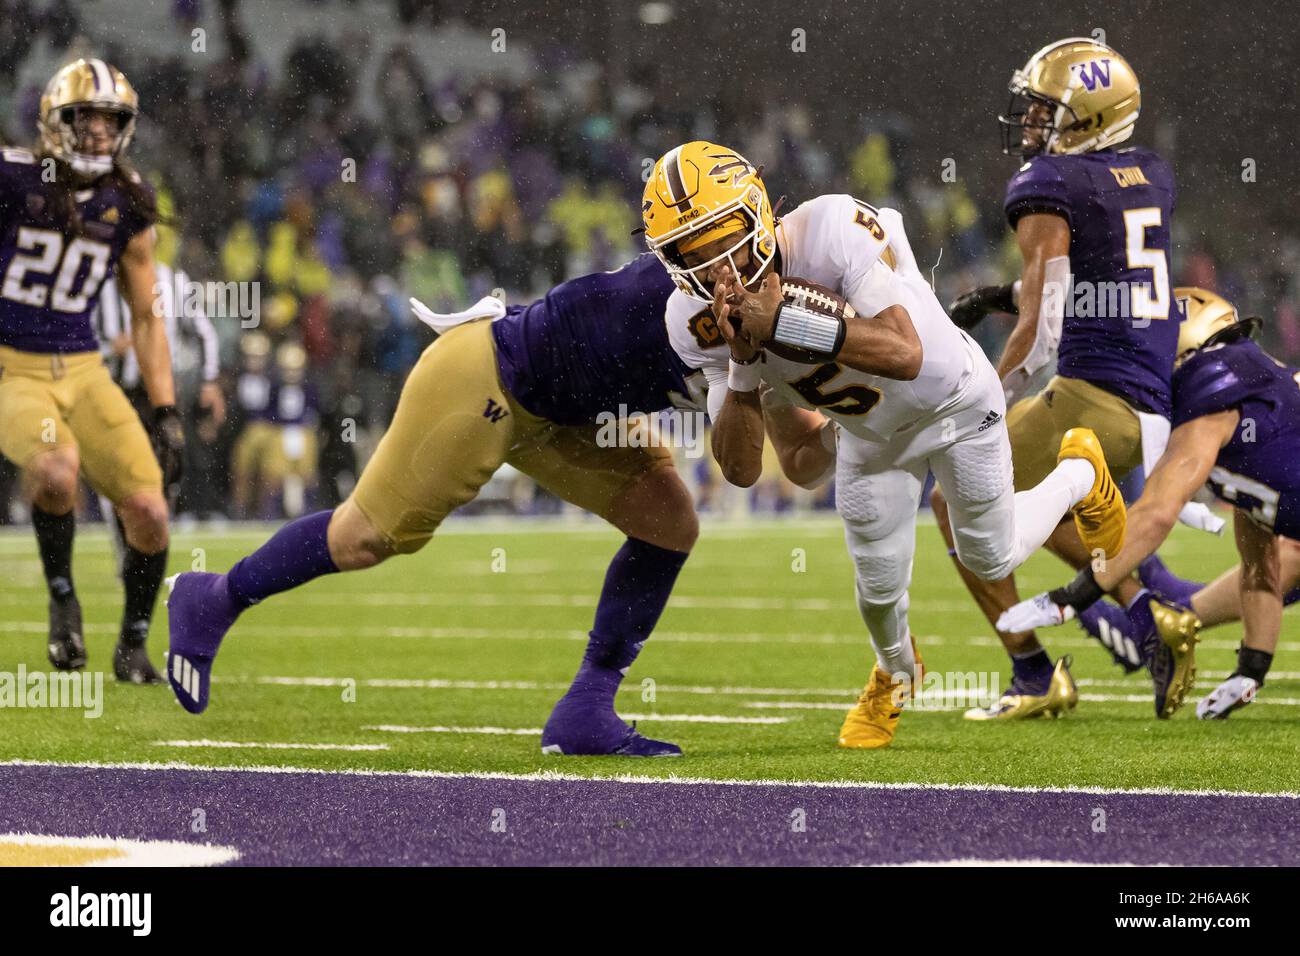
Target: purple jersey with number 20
{"x": 49, "y": 279}
{"x": 1258, "y": 471}
{"x": 1121, "y": 329}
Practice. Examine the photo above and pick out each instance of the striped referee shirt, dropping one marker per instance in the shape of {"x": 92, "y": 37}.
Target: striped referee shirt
{"x": 184, "y": 318}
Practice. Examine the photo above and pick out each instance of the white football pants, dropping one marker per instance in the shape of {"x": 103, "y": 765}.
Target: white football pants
{"x": 878, "y": 491}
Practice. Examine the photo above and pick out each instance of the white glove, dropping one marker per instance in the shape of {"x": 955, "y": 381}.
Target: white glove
{"x": 1039, "y": 611}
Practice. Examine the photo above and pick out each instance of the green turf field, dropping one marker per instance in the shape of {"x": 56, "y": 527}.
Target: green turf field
{"x": 482, "y": 630}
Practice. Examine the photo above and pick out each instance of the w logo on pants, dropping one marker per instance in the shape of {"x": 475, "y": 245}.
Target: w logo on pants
{"x": 494, "y": 411}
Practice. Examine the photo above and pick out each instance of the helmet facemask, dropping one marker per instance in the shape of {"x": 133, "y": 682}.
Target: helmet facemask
{"x": 1014, "y": 123}
{"x": 750, "y": 233}
{"x": 61, "y": 138}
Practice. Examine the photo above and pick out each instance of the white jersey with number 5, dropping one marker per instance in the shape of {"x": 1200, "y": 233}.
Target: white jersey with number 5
{"x": 862, "y": 253}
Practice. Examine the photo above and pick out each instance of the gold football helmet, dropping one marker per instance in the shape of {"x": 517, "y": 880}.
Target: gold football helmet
{"x": 1210, "y": 319}
{"x": 697, "y": 194}
{"x": 1091, "y": 93}
{"x": 86, "y": 84}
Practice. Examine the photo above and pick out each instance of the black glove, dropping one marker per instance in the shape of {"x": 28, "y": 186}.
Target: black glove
{"x": 168, "y": 439}
{"x": 969, "y": 309}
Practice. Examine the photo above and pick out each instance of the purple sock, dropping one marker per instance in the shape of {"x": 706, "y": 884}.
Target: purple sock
{"x": 1165, "y": 583}
{"x": 1032, "y": 671}
{"x": 637, "y": 586}
{"x": 296, "y": 554}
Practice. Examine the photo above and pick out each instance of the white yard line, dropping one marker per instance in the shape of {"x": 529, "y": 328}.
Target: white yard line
{"x": 252, "y": 745}
{"x": 644, "y": 718}
{"x": 830, "y": 638}
{"x": 506, "y": 731}
{"x": 670, "y": 780}
{"x": 1091, "y": 698}
{"x": 437, "y": 683}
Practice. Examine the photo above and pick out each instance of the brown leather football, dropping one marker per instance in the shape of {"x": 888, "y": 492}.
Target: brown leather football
{"x": 815, "y": 298}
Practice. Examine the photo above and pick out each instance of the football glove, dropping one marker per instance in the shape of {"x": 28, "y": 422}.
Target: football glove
{"x": 168, "y": 439}
{"x": 968, "y": 310}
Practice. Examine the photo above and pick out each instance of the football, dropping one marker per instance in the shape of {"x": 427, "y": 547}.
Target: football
{"x": 806, "y": 294}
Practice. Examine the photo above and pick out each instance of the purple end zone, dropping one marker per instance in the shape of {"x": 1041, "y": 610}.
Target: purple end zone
{"x": 334, "y": 819}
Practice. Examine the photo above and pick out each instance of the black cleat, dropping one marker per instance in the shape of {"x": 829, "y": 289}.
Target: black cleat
{"x": 131, "y": 663}
{"x": 67, "y": 648}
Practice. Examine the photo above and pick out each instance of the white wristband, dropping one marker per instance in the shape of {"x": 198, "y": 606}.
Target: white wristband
{"x": 744, "y": 378}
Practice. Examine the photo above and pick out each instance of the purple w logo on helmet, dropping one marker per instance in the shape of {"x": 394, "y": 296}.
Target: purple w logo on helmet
{"x": 1093, "y": 74}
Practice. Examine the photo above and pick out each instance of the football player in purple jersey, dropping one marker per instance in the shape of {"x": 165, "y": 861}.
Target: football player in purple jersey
{"x": 1083, "y": 205}
{"x": 1236, "y": 418}
{"x": 70, "y": 213}
{"x": 526, "y": 385}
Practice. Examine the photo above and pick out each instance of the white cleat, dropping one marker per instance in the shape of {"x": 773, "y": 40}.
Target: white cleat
{"x": 1233, "y": 694}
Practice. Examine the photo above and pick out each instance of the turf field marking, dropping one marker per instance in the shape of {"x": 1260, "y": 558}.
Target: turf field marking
{"x": 1091, "y": 698}
{"x": 649, "y": 718}
{"x": 39, "y": 849}
{"x": 850, "y": 638}
{"x": 506, "y": 731}
{"x": 668, "y": 780}
{"x": 972, "y": 861}
{"x": 438, "y": 683}
{"x": 254, "y": 745}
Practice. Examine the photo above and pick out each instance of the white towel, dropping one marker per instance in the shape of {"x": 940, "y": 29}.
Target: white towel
{"x": 488, "y": 307}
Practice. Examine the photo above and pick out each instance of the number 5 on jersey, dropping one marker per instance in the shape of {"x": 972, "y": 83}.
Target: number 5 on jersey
{"x": 849, "y": 400}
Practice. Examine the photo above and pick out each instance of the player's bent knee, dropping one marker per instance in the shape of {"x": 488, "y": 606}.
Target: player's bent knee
{"x": 144, "y": 517}
{"x": 883, "y": 566}
{"x": 52, "y": 479}
{"x": 355, "y": 543}
{"x": 986, "y": 559}
{"x": 657, "y": 508}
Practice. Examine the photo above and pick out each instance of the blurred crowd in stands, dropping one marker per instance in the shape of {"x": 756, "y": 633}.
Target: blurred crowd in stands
{"x": 277, "y": 174}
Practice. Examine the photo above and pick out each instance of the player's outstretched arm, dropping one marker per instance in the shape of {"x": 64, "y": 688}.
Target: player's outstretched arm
{"x": 1041, "y": 236}
{"x": 1182, "y": 470}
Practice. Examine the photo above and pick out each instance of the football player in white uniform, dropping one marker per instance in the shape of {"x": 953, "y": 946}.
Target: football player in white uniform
{"x": 905, "y": 390}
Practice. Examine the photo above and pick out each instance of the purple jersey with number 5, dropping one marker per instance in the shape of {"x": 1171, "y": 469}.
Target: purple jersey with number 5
{"x": 1121, "y": 326}
{"x": 1259, "y": 469}
{"x": 49, "y": 279}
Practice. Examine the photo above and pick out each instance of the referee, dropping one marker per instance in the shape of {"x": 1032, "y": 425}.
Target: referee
{"x": 190, "y": 333}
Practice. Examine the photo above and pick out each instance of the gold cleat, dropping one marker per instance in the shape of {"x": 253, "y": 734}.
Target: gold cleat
{"x": 874, "y": 719}
{"x": 1062, "y": 695}
{"x": 1100, "y": 517}
{"x": 1173, "y": 667}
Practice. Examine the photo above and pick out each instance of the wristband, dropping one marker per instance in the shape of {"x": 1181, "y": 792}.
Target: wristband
{"x": 1080, "y": 594}
{"x": 744, "y": 378}
{"x": 802, "y": 332}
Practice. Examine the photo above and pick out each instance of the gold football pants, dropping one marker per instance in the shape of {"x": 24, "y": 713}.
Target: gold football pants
{"x": 455, "y": 426}
{"x": 50, "y": 401}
